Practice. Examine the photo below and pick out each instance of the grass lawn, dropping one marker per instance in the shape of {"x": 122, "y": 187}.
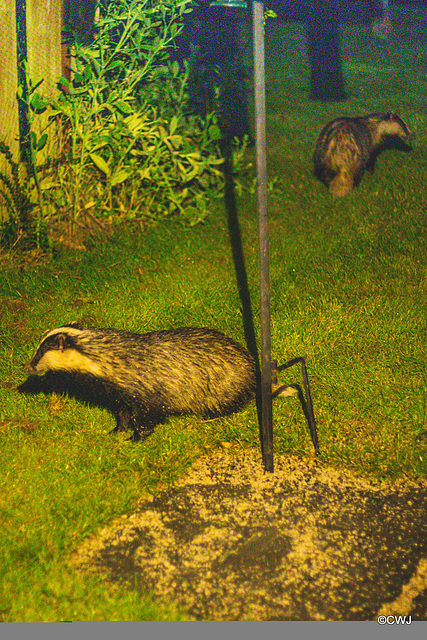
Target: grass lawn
{"x": 348, "y": 285}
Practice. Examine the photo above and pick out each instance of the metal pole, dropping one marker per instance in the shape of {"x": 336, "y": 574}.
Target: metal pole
{"x": 264, "y": 260}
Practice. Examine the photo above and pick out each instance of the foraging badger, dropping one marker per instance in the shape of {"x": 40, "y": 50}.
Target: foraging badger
{"x": 348, "y": 146}
{"x": 142, "y": 379}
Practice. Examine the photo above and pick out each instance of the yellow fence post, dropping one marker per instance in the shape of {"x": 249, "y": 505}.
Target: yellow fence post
{"x": 44, "y": 26}
{"x": 9, "y": 126}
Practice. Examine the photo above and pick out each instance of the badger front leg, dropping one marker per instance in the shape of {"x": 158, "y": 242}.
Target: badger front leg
{"x": 123, "y": 419}
{"x": 141, "y": 425}
{"x": 130, "y": 418}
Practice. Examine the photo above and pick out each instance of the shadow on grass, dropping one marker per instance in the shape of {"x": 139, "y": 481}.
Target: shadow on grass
{"x": 240, "y": 270}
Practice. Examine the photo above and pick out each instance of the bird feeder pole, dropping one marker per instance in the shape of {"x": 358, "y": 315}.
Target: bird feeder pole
{"x": 263, "y": 239}
{"x": 266, "y": 410}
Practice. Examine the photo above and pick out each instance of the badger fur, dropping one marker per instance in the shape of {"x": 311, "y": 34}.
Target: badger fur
{"x": 143, "y": 378}
{"x": 348, "y": 146}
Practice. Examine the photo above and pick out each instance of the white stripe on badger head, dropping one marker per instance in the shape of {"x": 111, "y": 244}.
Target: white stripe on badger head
{"x": 72, "y": 361}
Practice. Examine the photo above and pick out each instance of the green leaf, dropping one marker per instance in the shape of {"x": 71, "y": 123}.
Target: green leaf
{"x": 42, "y": 141}
{"x": 173, "y": 125}
{"x": 100, "y": 163}
{"x": 119, "y": 176}
{"x": 37, "y": 103}
{"x": 214, "y": 132}
{"x": 87, "y": 73}
{"x": 33, "y": 139}
{"x": 123, "y": 106}
{"x": 64, "y": 81}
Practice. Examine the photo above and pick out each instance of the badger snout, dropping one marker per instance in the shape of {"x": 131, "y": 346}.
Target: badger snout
{"x": 30, "y": 368}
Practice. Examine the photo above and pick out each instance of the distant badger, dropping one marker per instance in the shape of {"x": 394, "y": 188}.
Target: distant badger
{"x": 348, "y": 146}
{"x": 142, "y": 379}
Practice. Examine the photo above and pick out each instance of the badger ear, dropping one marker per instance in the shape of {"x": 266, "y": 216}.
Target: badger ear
{"x": 61, "y": 341}
{"x": 73, "y": 325}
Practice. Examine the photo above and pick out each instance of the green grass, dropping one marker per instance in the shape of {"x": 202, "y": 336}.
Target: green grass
{"x": 348, "y": 284}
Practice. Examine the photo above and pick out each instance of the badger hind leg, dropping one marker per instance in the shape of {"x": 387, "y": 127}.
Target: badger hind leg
{"x": 342, "y": 184}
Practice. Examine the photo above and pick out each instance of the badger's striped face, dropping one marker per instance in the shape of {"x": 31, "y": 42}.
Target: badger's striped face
{"x": 392, "y": 125}
{"x": 59, "y": 351}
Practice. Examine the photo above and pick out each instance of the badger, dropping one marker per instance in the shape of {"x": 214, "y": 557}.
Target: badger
{"x": 144, "y": 378}
{"x": 348, "y": 146}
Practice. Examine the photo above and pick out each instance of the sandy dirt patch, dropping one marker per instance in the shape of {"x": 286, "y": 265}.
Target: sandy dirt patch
{"x": 307, "y": 542}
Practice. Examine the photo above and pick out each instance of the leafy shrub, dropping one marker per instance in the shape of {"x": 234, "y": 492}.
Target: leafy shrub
{"x": 134, "y": 152}
{"x": 131, "y": 149}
